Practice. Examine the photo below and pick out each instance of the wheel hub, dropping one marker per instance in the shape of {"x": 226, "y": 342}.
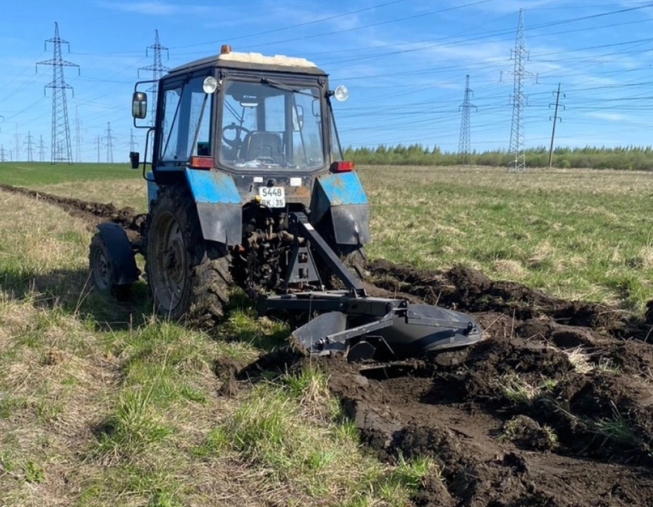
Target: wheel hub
{"x": 169, "y": 275}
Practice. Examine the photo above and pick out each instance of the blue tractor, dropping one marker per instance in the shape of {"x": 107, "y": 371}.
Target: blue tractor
{"x": 248, "y": 187}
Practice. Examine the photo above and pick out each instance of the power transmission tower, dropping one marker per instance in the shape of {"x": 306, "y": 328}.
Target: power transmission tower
{"x": 98, "y": 144}
{"x": 30, "y": 148}
{"x": 78, "y": 136}
{"x": 555, "y": 121}
{"x": 519, "y": 99}
{"x": 17, "y": 143}
{"x": 3, "y": 153}
{"x": 132, "y": 141}
{"x": 465, "y": 143}
{"x": 157, "y": 69}
{"x": 109, "y": 144}
{"x": 61, "y": 150}
{"x": 41, "y": 149}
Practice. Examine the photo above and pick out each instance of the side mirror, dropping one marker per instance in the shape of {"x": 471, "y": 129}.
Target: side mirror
{"x": 135, "y": 159}
{"x": 139, "y": 105}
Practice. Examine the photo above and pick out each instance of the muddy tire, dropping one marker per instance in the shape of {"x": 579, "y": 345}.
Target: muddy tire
{"x": 188, "y": 277}
{"x": 102, "y": 270}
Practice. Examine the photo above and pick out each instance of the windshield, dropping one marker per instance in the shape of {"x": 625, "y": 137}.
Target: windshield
{"x": 271, "y": 124}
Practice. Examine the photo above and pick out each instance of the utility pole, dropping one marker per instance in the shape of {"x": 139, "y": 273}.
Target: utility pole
{"x": 464, "y": 144}
{"x": 30, "y": 148}
{"x": 41, "y": 149}
{"x": 555, "y": 121}
{"x": 157, "y": 69}
{"x": 519, "y": 99}
{"x": 109, "y": 144}
{"x": 61, "y": 150}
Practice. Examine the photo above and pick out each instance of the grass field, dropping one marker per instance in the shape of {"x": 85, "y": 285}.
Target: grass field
{"x": 106, "y": 404}
{"x": 578, "y": 234}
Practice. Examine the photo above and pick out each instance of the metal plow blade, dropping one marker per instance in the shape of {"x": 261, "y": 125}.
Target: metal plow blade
{"x": 411, "y": 330}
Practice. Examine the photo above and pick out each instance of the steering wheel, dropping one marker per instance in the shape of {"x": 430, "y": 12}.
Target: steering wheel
{"x": 235, "y": 142}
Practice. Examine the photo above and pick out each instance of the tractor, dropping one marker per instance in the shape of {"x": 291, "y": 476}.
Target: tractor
{"x": 247, "y": 186}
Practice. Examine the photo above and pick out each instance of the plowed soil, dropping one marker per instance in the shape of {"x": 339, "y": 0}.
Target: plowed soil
{"x": 553, "y": 408}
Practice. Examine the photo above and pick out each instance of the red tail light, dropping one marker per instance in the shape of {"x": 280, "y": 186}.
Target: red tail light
{"x": 201, "y": 162}
{"x": 342, "y": 166}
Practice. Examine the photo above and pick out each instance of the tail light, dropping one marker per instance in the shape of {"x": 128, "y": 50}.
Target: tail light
{"x": 342, "y": 166}
{"x": 199, "y": 162}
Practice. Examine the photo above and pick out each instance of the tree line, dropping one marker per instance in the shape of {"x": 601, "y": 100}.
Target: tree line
{"x": 631, "y": 158}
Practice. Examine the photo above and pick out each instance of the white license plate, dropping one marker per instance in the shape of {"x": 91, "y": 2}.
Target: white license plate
{"x": 273, "y": 197}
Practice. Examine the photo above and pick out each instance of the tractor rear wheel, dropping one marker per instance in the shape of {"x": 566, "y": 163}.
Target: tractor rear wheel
{"x": 188, "y": 276}
{"x": 102, "y": 270}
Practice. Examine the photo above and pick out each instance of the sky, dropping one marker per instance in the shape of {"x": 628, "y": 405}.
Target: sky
{"x": 405, "y": 63}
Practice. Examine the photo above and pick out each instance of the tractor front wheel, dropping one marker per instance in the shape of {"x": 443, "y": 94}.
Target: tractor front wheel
{"x": 188, "y": 276}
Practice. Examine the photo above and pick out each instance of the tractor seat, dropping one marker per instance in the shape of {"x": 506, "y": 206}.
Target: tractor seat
{"x": 262, "y": 144}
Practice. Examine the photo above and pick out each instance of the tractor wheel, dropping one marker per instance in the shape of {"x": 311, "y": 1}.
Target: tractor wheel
{"x": 102, "y": 272}
{"x": 188, "y": 277}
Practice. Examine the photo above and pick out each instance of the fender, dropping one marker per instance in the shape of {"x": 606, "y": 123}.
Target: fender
{"x": 342, "y": 194}
{"x": 120, "y": 252}
{"x": 218, "y": 205}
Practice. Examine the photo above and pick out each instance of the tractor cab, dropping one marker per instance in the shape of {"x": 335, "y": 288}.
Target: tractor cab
{"x": 245, "y": 114}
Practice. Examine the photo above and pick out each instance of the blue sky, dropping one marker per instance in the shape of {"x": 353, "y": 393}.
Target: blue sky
{"x": 404, "y": 62}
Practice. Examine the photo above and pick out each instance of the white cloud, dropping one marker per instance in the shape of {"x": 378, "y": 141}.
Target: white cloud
{"x": 608, "y": 116}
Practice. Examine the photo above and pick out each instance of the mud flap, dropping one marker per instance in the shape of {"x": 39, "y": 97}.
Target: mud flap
{"x": 120, "y": 250}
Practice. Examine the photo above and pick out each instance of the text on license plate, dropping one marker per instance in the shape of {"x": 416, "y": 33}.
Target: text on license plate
{"x": 273, "y": 197}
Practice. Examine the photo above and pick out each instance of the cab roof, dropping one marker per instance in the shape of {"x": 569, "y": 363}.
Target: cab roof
{"x": 251, "y": 61}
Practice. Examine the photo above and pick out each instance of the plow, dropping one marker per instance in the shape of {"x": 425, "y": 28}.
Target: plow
{"x": 247, "y": 186}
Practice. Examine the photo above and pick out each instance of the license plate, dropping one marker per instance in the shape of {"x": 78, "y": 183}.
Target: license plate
{"x": 273, "y": 197}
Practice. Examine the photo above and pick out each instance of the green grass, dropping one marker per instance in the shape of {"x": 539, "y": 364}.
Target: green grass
{"x": 29, "y": 174}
